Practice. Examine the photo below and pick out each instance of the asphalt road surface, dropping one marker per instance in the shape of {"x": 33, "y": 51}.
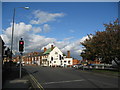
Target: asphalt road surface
{"x": 50, "y": 77}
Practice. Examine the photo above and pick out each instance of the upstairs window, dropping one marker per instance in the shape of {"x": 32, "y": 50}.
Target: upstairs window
{"x": 56, "y": 53}
{"x": 60, "y": 57}
{"x": 51, "y": 58}
{"x": 69, "y": 62}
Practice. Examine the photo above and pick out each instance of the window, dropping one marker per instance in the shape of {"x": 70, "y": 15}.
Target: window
{"x": 64, "y": 61}
{"x": 52, "y": 58}
{"x": 69, "y": 62}
{"x": 56, "y": 53}
{"x": 54, "y": 61}
{"x": 60, "y": 57}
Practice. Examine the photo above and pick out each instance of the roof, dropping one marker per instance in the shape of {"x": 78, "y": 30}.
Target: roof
{"x": 39, "y": 54}
{"x": 48, "y": 51}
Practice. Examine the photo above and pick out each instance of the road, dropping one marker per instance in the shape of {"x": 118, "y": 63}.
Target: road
{"x": 49, "y": 77}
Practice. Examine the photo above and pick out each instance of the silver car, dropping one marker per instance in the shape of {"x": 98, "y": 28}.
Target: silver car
{"x": 77, "y": 66}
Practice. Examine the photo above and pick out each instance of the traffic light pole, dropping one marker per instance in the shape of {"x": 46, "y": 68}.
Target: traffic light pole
{"x": 20, "y": 63}
{"x": 21, "y": 49}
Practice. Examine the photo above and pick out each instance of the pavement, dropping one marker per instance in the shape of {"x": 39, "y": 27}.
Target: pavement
{"x": 11, "y": 79}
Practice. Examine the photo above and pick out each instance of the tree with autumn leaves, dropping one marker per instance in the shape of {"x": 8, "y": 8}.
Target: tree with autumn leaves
{"x": 103, "y": 45}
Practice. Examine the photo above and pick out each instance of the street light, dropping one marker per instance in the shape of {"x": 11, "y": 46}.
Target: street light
{"x": 25, "y": 7}
{"x": 13, "y": 27}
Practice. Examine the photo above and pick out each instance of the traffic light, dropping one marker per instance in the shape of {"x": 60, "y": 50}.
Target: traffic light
{"x": 21, "y": 45}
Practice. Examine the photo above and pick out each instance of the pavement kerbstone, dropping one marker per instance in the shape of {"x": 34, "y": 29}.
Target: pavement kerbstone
{"x": 16, "y": 84}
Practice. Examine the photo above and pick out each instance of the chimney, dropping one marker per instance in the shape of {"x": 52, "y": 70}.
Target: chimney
{"x": 45, "y": 49}
{"x": 68, "y": 54}
{"x": 52, "y": 47}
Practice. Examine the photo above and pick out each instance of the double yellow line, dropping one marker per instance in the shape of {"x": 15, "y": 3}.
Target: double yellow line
{"x": 36, "y": 82}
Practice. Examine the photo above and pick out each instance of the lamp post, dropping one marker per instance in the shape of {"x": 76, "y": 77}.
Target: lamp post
{"x": 13, "y": 27}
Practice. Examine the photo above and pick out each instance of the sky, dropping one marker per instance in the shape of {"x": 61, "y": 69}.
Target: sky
{"x": 64, "y": 24}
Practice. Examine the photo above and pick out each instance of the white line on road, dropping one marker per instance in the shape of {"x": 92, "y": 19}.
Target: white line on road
{"x": 63, "y": 81}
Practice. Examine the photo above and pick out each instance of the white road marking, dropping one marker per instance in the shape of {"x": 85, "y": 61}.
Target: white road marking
{"x": 63, "y": 81}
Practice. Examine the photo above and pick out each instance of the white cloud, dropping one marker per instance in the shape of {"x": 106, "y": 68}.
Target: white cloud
{"x": 37, "y": 29}
{"x": 42, "y": 17}
{"x": 74, "y": 47}
{"x": 65, "y": 45}
{"x": 84, "y": 38}
{"x": 20, "y": 30}
{"x": 48, "y": 46}
{"x": 46, "y": 28}
{"x": 69, "y": 38}
{"x": 37, "y": 42}
{"x": 34, "y": 42}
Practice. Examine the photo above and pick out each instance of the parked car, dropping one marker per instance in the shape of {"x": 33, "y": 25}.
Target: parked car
{"x": 114, "y": 64}
{"x": 77, "y": 66}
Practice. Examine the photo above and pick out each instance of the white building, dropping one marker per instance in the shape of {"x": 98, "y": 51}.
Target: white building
{"x": 54, "y": 57}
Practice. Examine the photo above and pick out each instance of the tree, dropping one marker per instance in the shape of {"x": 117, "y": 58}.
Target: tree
{"x": 103, "y": 44}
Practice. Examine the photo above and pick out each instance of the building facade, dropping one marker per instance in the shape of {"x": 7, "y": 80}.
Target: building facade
{"x": 55, "y": 58}
{"x": 52, "y": 57}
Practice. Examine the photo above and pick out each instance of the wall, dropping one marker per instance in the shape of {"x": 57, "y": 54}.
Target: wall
{"x": 75, "y": 61}
{"x": 65, "y": 64}
{"x": 56, "y": 57}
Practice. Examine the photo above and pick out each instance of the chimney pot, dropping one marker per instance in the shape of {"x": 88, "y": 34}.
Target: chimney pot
{"x": 45, "y": 49}
{"x": 52, "y": 47}
{"x": 68, "y": 54}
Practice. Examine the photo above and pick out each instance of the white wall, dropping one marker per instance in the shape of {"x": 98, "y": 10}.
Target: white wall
{"x": 32, "y": 60}
{"x": 64, "y": 64}
{"x": 38, "y": 62}
{"x": 55, "y": 53}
